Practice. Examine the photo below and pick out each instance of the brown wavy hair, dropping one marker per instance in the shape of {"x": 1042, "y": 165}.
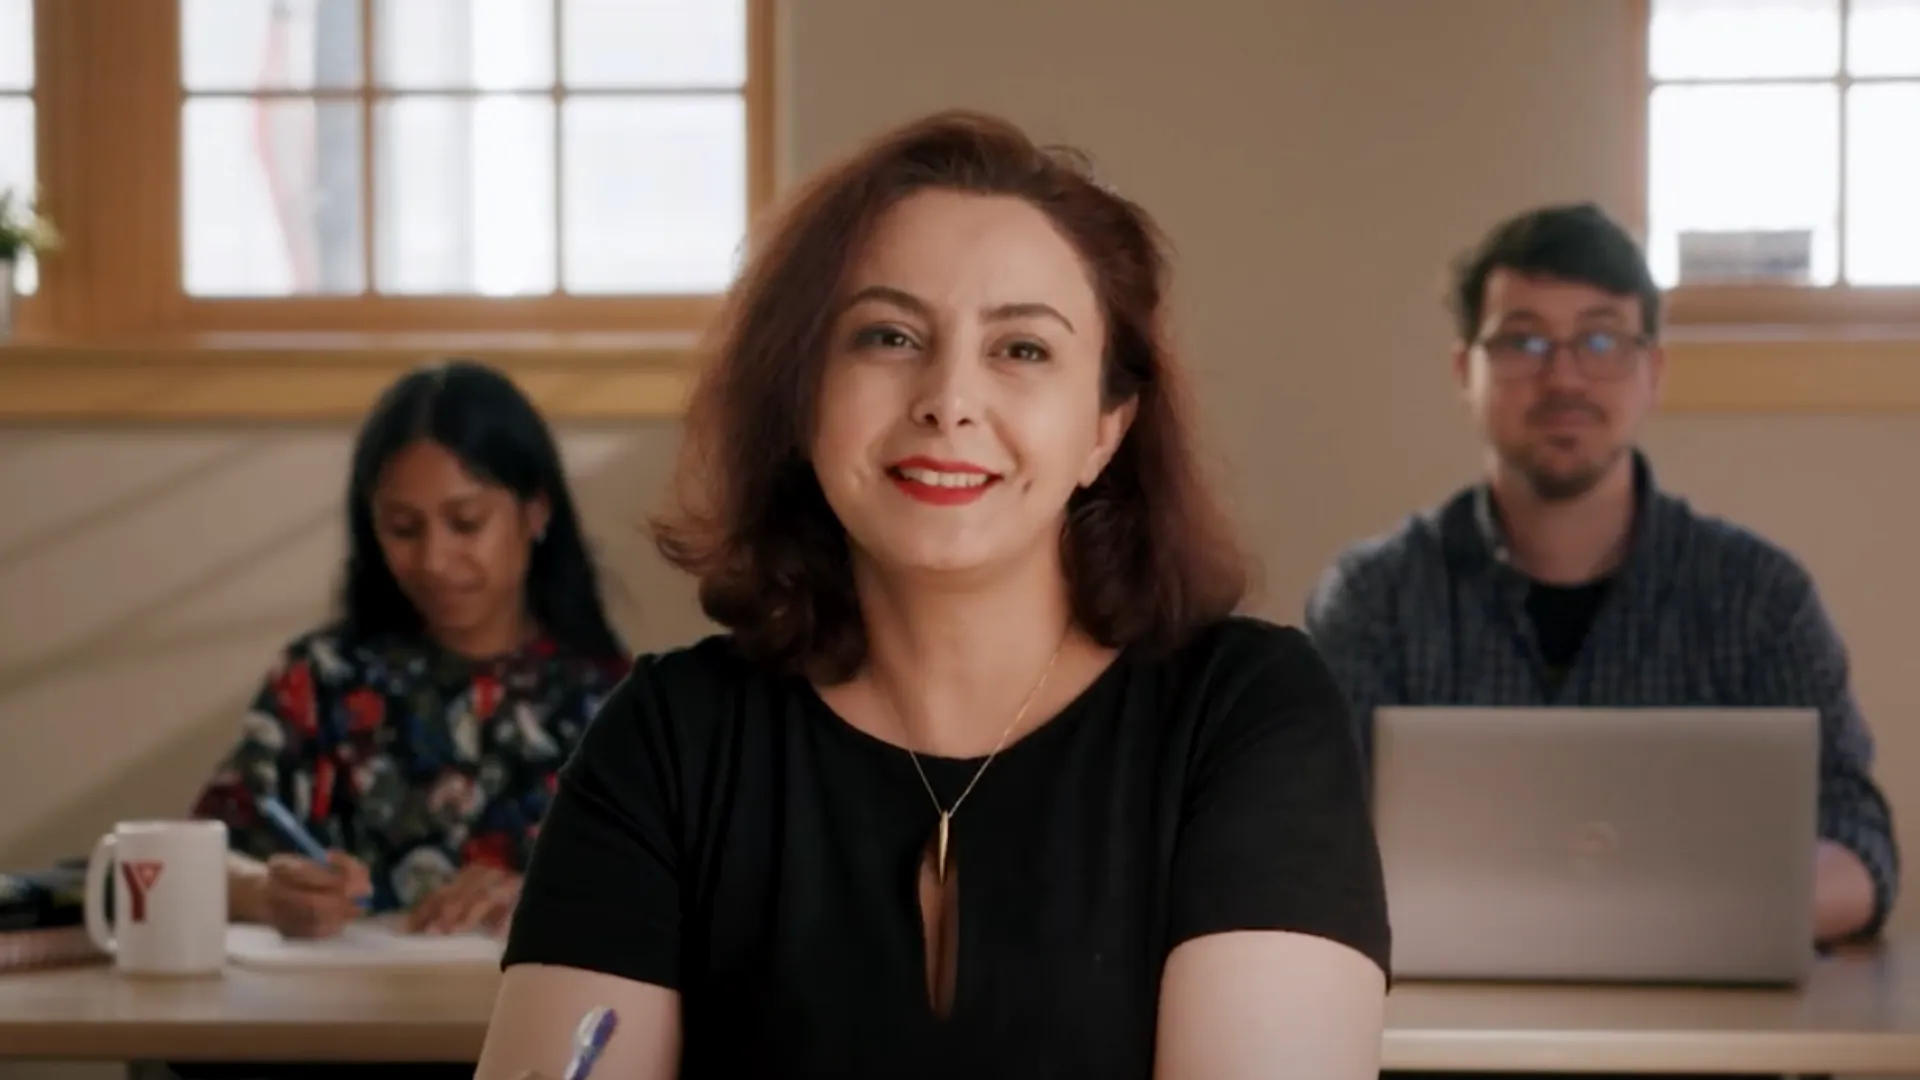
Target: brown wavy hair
{"x": 1149, "y": 554}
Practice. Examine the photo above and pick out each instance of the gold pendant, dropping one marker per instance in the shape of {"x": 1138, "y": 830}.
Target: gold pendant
{"x": 940, "y": 848}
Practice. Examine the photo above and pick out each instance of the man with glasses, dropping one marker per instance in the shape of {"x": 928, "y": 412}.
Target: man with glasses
{"x": 1568, "y": 577}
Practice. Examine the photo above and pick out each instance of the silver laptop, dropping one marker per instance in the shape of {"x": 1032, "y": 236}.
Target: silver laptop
{"x": 1641, "y": 845}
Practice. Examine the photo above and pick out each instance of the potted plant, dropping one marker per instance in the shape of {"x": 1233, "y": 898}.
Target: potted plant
{"x": 23, "y": 228}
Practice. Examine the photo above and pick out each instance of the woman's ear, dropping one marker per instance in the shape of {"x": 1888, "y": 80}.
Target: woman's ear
{"x": 536, "y": 512}
{"x": 1112, "y": 431}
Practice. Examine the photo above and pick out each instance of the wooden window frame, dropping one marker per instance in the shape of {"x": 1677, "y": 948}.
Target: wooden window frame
{"x": 1842, "y": 349}
{"x": 111, "y": 333}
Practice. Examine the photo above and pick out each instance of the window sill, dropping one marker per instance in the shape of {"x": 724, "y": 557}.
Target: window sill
{"x": 1793, "y": 370}
{"x": 599, "y": 377}
{"x": 330, "y": 377}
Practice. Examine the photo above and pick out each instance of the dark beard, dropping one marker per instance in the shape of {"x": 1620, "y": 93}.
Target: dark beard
{"x": 1562, "y": 487}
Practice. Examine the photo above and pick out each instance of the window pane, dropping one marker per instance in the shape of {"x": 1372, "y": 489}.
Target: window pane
{"x": 1884, "y": 37}
{"x": 464, "y": 44}
{"x": 654, "y": 192}
{"x": 17, "y": 170}
{"x": 1883, "y": 185}
{"x": 465, "y": 199}
{"x": 16, "y": 44}
{"x": 655, "y": 43}
{"x": 1737, "y": 158}
{"x": 1744, "y": 39}
{"x": 240, "y": 45}
{"x": 272, "y": 193}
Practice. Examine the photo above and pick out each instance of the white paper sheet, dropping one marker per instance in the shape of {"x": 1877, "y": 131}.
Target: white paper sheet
{"x": 368, "y": 943}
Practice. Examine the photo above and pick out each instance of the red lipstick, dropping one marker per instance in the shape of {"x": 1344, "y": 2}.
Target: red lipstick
{"x": 941, "y": 483}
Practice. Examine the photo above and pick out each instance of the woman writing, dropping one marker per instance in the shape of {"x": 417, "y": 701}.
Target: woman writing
{"x": 985, "y": 780}
{"x": 420, "y": 734}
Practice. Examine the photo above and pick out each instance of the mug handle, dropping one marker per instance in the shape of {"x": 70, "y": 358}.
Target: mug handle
{"x": 95, "y": 906}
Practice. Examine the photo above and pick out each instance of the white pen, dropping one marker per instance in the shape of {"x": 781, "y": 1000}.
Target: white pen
{"x": 589, "y": 1039}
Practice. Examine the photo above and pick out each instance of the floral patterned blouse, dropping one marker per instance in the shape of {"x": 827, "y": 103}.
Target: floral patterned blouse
{"x": 412, "y": 759}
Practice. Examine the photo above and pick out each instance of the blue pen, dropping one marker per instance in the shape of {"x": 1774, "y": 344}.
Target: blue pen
{"x": 296, "y": 833}
{"x": 589, "y": 1039}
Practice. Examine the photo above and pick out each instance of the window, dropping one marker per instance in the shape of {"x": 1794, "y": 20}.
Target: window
{"x": 394, "y": 165}
{"x": 1784, "y": 158}
{"x": 16, "y": 113}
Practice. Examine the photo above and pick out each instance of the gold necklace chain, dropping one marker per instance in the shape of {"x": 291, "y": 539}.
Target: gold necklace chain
{"x": 946, "y": 813}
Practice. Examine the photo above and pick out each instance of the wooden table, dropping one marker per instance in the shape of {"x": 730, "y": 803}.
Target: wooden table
{"x": 94, "y": 1014}
{"x": 1860, "y": 1015}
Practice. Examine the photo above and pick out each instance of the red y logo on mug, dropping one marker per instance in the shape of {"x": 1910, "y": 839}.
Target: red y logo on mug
{"x": 139, "y": 877}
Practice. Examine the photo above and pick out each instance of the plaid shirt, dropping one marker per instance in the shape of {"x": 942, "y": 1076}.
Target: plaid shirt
{"x": 1702, "y": 613}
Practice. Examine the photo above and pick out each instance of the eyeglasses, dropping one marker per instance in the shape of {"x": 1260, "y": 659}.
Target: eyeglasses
{"x": 1599, "y": 355}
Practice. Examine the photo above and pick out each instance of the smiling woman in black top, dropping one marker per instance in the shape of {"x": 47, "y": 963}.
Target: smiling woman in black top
{"x": 985, "y": 781}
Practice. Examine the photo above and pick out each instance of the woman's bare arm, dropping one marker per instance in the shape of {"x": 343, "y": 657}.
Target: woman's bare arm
{"x": 1269, "y": 1005}
{"x": 539, "y": 1006}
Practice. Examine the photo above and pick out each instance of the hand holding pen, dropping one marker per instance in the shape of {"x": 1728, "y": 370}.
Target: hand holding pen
{"x": 315, "y": 893}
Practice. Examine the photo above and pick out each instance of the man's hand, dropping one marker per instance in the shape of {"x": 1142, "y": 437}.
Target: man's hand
{"x": 1843, "y": 897}
{"x": 478, "y": 898}
{"x": 305, "y": 899}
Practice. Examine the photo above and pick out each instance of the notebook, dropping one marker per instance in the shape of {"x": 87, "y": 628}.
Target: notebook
{"x": 369, "y": 943}
{"x": 40, "y": 917}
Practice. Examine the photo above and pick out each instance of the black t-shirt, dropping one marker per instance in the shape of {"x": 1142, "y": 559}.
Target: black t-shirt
{"x": 722, "y": 832}
{"x": 1561, "y": 616}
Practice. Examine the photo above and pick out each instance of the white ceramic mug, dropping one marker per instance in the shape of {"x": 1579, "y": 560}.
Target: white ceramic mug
{"x": 169, "y": 881}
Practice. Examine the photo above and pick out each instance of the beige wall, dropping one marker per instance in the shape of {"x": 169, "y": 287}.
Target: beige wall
{"x": 1316, "y": 161}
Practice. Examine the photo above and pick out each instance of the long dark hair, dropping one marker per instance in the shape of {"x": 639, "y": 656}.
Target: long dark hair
{"x": 481, "y": 418}
{"x": 1150, "y": 554}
